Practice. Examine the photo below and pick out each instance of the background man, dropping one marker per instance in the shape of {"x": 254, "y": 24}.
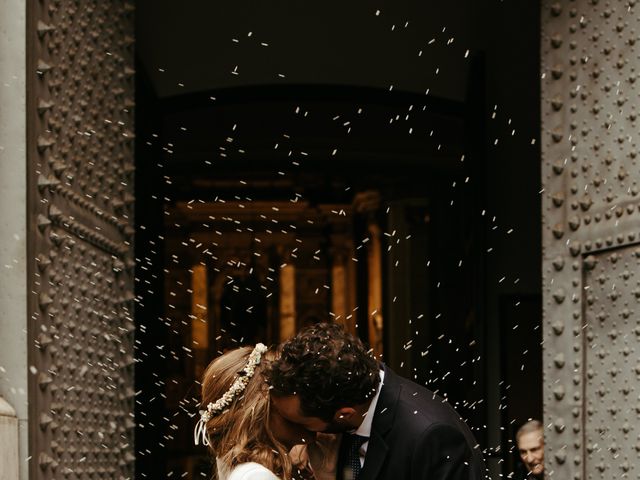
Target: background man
{"x": 326, "y": 381}
{"x": 530, "y": 441}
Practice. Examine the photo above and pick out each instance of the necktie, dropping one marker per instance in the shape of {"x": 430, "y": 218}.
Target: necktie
{"x": 351, "y": 466}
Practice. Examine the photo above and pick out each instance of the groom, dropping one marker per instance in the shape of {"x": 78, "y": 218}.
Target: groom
{"x": 326, "y": 381}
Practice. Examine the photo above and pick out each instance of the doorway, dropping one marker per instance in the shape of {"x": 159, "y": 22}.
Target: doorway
{"x": 235, "y": 182}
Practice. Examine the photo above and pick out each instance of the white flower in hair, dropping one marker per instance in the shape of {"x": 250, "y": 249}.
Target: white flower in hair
{"x": 237, "y": 387}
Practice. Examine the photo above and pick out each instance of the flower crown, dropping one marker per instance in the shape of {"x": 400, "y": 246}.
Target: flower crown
{"x": 237, "y": 387}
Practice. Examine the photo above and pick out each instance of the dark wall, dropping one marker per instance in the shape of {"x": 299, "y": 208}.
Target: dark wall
{"x": 201, "y": 45}
{"x": 509, "y": 34}
{"x": 151, "y": 371}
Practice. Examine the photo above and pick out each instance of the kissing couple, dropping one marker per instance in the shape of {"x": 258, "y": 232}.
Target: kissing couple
{"x": 320, "y": 406}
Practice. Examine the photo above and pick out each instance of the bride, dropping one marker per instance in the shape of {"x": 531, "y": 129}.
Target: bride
{"x": 248, "y": 438}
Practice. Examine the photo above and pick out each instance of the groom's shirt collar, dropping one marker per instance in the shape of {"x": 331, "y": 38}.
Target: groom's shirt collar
{"x": 364, "y": 430}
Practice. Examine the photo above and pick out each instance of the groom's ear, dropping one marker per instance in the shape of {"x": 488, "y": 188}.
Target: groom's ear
{"x": 344, "y": 414}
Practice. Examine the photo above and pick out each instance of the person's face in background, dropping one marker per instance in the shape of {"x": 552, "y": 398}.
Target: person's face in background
{"x": 531, "y": 448}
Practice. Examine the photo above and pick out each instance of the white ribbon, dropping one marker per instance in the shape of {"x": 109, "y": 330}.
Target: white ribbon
{"x": 200, "y": 432}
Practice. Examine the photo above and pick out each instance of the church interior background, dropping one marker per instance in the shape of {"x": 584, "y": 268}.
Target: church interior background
{"x": 398, "y": 203}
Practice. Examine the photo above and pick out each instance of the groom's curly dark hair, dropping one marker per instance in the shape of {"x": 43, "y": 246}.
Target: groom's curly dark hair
{"x": 327, "y": 367}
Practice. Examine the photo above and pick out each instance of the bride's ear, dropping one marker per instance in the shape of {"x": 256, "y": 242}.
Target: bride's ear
{"x": 344, "y": 414}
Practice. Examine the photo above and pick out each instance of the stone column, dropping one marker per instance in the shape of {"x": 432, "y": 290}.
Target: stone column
{"x": 199, "y": 318}
{"x": 374, "y": 267}
{"x": 368, "y": 204}
{"x": 352, "y": 292}
{"x": 339, "y": 286}
{"x": 287, "y": 298}
{"x": 13, "y": 230}
{"x": 9, "y": 456}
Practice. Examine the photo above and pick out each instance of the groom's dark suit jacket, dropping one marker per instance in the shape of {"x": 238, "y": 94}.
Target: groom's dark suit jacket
{"x": 416, "y": 435}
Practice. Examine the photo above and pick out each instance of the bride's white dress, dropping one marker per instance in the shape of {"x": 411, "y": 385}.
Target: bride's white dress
{"x": 244, "y": 471}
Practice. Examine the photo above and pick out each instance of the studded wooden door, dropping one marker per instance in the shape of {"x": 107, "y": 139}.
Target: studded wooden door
{"x": 590, "y": 64}
{"x": 80, "y": 118}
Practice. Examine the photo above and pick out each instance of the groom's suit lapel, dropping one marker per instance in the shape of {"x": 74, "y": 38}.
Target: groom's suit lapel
{"x": 382, "y": 422}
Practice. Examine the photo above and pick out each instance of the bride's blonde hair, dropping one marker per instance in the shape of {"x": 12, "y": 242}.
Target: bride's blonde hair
{"x": 241, "y": 432}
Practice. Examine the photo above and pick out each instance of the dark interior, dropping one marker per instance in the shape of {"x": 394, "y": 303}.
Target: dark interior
{"x": 458, "y": 210}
